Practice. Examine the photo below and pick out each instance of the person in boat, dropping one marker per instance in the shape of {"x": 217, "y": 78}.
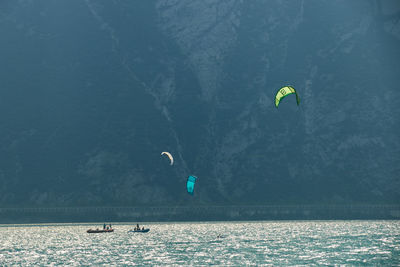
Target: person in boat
{"x": 110, "y": 226}
{"x": 104, "y": 226}
{"x": 143, "y": 228}
{"x": 137, "y": 227}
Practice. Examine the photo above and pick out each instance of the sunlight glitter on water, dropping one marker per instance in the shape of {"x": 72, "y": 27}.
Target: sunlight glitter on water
{"x": 242, "y": 243}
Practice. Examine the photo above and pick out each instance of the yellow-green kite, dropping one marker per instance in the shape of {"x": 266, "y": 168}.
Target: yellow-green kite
{"x": 284, "y": 91}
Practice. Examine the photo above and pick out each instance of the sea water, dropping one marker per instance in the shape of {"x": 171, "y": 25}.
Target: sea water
{"x": 209, "y": 243}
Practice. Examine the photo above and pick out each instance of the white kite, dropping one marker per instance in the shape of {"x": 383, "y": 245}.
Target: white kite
{"x": 169, "y": 156}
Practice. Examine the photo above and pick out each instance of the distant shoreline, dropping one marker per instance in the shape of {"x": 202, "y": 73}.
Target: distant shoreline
{"x": 198, "y": 213}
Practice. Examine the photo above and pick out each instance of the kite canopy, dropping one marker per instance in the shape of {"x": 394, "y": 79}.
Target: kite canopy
{"x": 169, "y": 156}
{"x": 190, "y": 184}
{"x": 283, "y": 92}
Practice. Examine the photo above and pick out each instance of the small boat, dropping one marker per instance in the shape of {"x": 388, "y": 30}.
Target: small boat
{"x": 139, "y": 231}
{"x": 90, "y": 231}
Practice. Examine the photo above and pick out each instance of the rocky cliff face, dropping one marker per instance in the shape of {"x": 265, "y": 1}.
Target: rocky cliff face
{"x": 92, "y": 92}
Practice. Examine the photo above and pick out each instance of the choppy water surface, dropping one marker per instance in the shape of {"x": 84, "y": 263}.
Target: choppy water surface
{"x": 277, "y": 243}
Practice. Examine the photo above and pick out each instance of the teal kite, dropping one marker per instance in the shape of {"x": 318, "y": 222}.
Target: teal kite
{"x": 190, "y": 184}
